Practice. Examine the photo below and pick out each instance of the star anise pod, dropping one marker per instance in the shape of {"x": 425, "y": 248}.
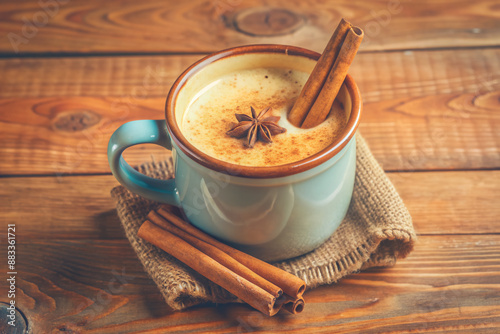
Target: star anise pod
{"x": 256, "y": 127}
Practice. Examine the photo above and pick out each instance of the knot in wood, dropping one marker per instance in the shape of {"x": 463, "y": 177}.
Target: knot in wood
{"x": 7, "y": 314}
{"x": 74, "y": 121}
{"x": 267, "y": 21}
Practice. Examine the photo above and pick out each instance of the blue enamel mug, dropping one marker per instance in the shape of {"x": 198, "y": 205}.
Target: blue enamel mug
{"x": 273, "y": 213}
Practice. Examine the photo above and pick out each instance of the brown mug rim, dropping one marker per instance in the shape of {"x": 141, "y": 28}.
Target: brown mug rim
{"x": 250, "y": 171}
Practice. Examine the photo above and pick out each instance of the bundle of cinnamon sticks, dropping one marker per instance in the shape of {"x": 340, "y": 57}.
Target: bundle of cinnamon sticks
{"x": 260, "y": 284}
{"x": 318, "y": 94}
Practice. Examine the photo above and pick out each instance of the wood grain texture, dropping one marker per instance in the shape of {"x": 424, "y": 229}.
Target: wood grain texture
{"x": 117, "y": 90}
{"x": 63, "y": 136}
{"x": 69, "y": 135}
{"x": 447, "y": 284}
{"x": 126, "y": 77}
{"x": 391, "y": 75}
{"x": 80, "y": 207}
{"x": 447, "y": 131}
{"x": 203, "y": 26}
{"x": 379, "y": 76}
{"x": 433, "y": 107}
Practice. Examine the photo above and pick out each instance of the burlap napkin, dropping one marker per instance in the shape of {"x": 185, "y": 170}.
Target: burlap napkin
{"x": 376, "y": 231}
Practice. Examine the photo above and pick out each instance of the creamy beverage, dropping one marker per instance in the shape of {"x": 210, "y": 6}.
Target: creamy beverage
{"x": 211, "y": 113}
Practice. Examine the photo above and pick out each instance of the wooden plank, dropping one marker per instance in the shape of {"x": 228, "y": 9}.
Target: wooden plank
{"x": 449, "y": 283}
{"x": 80, "y": 207}
{"x": 126, "y": 77}
{"x": 60, "y": 136}
{"x": 451, "y": 202}
{"x": 390, "y": 75}
{"x": 441, "y": 130}
{"x": 447, "y": 131}
{"x": 380, "y": 76}
{"x": 199, "y": 26}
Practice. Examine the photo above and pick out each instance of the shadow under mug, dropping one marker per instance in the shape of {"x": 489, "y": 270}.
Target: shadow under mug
{"x": 273, "y": 213}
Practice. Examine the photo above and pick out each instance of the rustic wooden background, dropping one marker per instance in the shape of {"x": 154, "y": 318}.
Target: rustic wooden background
{"x": 73, "y": 71}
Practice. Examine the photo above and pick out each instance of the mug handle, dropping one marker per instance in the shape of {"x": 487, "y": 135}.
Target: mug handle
{"x": 135, "y": 133}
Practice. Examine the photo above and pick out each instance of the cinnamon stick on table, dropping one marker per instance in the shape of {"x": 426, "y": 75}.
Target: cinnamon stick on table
{"x": 311, "y": 89}
{"x": 291, "y": 284}
{"x": 254, "y": 281}
{"x": 294, "y": 306}
{"x": 210, "y": 268}
{"x": 316, "y": 98}
{"x": 218, "y": 255}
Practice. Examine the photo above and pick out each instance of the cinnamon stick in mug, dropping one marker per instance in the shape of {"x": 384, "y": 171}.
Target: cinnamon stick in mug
{"x": 311, "y": 89}
{"x": 321, "y": 107}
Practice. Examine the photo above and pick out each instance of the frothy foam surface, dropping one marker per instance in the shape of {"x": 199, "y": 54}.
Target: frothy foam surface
{"x": 211, "y": 114}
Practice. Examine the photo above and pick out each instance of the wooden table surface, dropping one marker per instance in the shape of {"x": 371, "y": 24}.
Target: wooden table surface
{"x": 73, "y": 71}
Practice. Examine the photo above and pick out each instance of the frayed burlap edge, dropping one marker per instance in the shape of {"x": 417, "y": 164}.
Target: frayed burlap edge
{"x": 377, "y": 231}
